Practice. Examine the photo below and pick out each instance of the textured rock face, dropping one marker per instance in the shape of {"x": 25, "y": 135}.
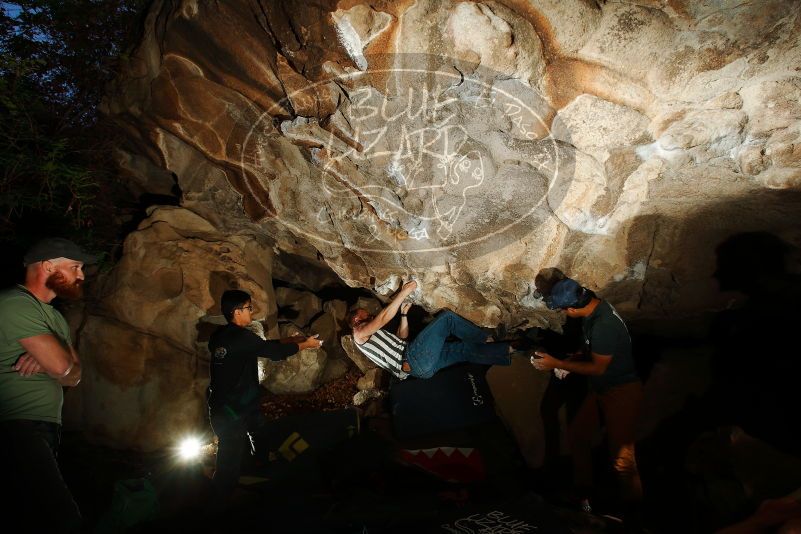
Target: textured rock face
{"x": 300, "y": 373}
{"x": 143, "y": 344}
{"x": 465, "y": 144}
{"x": 298, "y": 306}
{"x": 470, "y": 144}
{"x": 360, "y": 360}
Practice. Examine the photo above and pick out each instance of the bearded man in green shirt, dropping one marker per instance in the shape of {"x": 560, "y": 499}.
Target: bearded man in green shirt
{"x": 37, "y": 359}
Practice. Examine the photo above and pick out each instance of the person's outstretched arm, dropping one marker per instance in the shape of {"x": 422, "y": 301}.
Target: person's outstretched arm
{"x": 361, "y": 333}
{"x": 403, "y": 326}
{"x": 277, "y": 350}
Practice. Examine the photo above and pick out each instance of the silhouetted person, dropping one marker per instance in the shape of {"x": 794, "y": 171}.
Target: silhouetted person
{"x": 757, "y": 366}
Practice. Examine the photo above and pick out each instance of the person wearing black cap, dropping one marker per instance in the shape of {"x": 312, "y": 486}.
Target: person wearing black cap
{"x": 233, "y": 394}
{"x": 36, "y": 359}
{"x": 616, "y": 391}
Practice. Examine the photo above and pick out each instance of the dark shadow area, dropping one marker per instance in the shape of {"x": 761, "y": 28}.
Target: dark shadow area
{"x": 332, "y": 472}
{"x": 704, "y": 460}
{"x": 709, "y": 457}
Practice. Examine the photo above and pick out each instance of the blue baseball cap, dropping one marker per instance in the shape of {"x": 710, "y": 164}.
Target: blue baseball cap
{"x": 566, "y": 293}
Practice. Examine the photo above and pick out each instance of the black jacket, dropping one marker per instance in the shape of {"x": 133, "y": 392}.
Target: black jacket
{"x": 234, "y": 369}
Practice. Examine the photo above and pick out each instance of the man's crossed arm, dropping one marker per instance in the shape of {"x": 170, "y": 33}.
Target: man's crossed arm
{"x": 47, "y": 354}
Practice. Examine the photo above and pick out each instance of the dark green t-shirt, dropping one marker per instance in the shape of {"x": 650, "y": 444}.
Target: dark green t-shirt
{"x": 37, "y": 397}
{"x": 606, "y": 333}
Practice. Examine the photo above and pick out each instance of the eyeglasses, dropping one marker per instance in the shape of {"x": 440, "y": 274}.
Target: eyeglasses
{"x": 249, "y": 308}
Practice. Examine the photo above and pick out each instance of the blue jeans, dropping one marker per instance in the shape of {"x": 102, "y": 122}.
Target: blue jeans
{"x": 429, "y": 352}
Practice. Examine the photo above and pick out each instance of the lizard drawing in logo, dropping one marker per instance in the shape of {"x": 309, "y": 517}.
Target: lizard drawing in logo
{"x": 466, "y": 173}
{"x": 430, "y": 173}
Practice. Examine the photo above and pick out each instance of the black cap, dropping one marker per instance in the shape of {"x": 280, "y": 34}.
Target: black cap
{"x": 56, "y": 247}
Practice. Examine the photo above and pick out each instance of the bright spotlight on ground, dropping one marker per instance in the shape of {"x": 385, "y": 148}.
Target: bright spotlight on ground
{"x": 189, "y": 449}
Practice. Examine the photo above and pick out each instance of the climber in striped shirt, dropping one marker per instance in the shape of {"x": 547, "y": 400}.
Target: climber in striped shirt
{"x": 430, "y": 351}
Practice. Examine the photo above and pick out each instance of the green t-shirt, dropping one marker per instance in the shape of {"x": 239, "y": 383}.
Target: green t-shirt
{"x": 37, "y": 397}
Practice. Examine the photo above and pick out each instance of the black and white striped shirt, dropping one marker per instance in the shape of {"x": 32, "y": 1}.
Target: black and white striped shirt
{"x": 386, "y": 351}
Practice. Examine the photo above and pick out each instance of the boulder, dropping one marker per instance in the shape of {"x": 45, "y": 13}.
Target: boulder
{"x": 371, "y": 305}
{"x": 300, "y": 373}
{"x": 296, "y": 306}
{"x": 143, "y": 345}
{"x": 388, "y": 141}
{"x": 365, "y": 395}
{"x": 468, "y": 145}
{"x": 326, "y": 326}
{"x": 518, "y": 390}
{"x": 372, "y": 379}
{"x": 145, "y": 400}
{"x": 356, "y": 356}
{"x": 304, "y": 270}
{"x": 338, "y": 309}
{"x": 334, "y": 370}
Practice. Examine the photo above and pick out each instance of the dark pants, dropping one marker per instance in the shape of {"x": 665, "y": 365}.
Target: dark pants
{"x": 231, "y": 430}
{"x": 38, "y": 499}
{"x": 430, "y": 352}
{"x": 620, "y": 406}
{"x": 568, "y": 392}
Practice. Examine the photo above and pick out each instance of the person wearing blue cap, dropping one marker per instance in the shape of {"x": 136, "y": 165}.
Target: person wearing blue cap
{"x": 615, "y": 388}
{"x": 37, "y": 358}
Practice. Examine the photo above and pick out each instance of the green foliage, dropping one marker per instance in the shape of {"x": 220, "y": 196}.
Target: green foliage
{"x": 56, "y": 174}
{"x": 76, "y": 45}
{"x": 40, "y": 171}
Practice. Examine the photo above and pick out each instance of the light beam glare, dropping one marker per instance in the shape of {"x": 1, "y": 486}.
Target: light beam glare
{"x": 189, "y": 448}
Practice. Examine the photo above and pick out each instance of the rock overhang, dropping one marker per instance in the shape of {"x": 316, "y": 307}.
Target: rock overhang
{"x": 471, "y": 144}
